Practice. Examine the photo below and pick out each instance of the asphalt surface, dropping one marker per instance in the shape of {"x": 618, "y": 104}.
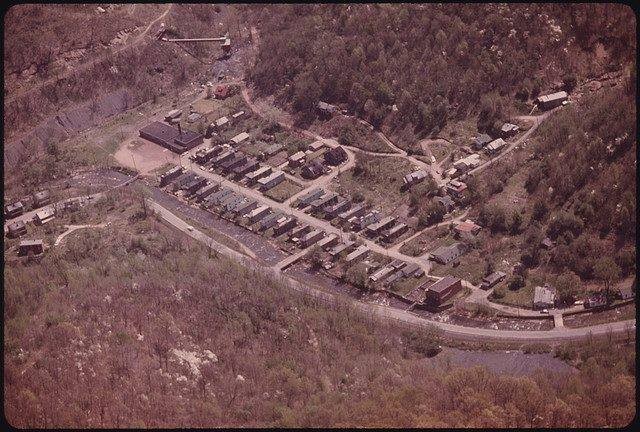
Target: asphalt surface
{"x": 384, "y": 312}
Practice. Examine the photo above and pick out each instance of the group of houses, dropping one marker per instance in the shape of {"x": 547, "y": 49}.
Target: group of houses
{"x": 317, "y": 159}
{"x": 351, "y": 216}
{"x": 39, "y": 201}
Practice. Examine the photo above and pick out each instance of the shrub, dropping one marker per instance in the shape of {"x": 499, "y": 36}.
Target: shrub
{"x": 516, "y": 282}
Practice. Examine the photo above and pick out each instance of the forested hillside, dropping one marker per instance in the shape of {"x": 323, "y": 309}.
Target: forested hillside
{"x": 106, "y": 332}
{"x": 434, "y": 62}
{"x": 579, "y": 180}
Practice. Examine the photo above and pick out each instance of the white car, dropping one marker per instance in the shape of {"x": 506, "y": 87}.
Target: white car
{"x": 578, "y": 302}
{"x": 189, "y": 228}
{"x": 544, "y": 311}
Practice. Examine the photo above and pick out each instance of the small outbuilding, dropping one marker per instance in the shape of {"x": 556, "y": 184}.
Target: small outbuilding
{"x": 31, "y": 247}
{"x": 16, "y": 229}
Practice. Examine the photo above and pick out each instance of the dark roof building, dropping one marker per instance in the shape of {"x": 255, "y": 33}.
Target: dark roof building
{"x": 441, "y": 291}
{"x": 13, "y": 210}
{"x": 332, "y": 211}
{"x": 206, "y": 191}
{"x": 251, "y": 164}
{"x": 177, "y": 140}
{"x": 16, "y": 229}
{"x": 480, "y": 141}
{"x": 312, "y": 170}
{"x": 446, "y": 202}
{"x": 170, "y": 175}
{"x": 335, "y": 156}
{"x": 492, "y": 279}
{"x": 41, "y": 198}
{"x": 309, "y": 197}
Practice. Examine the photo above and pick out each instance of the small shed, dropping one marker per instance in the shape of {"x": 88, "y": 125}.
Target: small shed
{"x": 16, "y": 229}
{"x": 41, "y": 198}
{"x": 45, "y": 215}
{"x": 31, "y": 247}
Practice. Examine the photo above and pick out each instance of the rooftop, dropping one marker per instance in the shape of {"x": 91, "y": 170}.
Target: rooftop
{"x": 443, "y": 284}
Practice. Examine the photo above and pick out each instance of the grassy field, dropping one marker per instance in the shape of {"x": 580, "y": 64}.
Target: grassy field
{"x": 405, "y": 285}
{"x": 523, "y": 297}
{"x": 359, "y": 135}
{"x": 471, "y": 267}
{"x": 428, "y": 240}
{"x": 459, "y": 133}
{"x": 379, "y": 184}
{"x": 283, "y": 191}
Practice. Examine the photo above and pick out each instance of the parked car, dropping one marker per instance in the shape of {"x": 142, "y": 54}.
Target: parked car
{"x": 544, "y": 311}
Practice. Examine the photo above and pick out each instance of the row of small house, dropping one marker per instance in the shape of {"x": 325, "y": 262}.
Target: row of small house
{"x": 18, "y": 228}
{"x": 238, "y": 166}
{"x": 16, "y": 208}
{"x": 351, "y": 216}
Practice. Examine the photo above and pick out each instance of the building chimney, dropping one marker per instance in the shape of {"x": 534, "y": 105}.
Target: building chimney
{"x": 179, "y": 129}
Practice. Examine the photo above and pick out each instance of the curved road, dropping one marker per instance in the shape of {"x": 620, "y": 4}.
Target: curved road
{"x": 450, "y": 330}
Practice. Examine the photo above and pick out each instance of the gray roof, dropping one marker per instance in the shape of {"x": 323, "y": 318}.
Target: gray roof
{"x": 544, "y": 295}
{"x": 443, "y": 284}
{"x": 447, "y": 253}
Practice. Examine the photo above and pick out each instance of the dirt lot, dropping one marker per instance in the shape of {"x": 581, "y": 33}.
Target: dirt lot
{"x": 144, "y": 156}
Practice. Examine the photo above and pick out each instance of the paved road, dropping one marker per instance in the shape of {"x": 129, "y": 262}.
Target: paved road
{"x": 449, "y": 330}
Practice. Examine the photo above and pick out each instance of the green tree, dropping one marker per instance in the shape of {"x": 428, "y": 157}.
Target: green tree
{"x": 516, "y": 282}
{"x": 540, "y": 210}
{"x": 516, "y": 222}
{"x": 568, "y": 286}
{"x": 432, "y": 213}
{"x": 606, "y": 271}
{"x": 357, "y": 276}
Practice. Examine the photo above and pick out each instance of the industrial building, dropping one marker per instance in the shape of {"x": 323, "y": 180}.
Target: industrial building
{"x": 177, "y": 140}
